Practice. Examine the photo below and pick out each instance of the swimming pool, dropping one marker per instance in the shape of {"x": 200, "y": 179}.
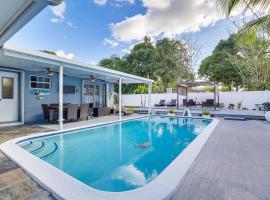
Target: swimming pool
{"x": 119, "y": 157}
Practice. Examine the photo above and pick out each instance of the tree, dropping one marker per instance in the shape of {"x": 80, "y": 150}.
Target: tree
{"x": 49, "y": 52}
{"x": 167, "y": 61}
{"x": 173, "y": 61}
{"x": 223, "y": 65}
{"x": 142, "y": 90}
{"x": 254, "y": 52}
{"x": 114, "y": 62}
{"x": 140, "y": 61}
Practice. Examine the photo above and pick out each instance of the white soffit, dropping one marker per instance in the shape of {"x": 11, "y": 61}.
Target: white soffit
{"x": 14, "y": 14}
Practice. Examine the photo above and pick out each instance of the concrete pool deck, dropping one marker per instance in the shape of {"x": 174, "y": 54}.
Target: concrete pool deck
{"x": 234, "y": 164}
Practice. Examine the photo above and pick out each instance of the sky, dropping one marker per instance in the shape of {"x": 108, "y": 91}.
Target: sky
{"x": 90, "y": 30}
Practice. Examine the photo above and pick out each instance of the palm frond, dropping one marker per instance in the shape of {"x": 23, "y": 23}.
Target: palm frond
{"x": 257, "y": 22}
{"x": 229, "y": 5}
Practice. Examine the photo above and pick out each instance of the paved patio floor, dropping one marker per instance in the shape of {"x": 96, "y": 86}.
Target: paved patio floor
{"x": 233, "y": 165}
{"x": 14, "y": 182}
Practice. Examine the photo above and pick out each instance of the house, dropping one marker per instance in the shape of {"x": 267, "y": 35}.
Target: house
{"x": 30, "y": 78}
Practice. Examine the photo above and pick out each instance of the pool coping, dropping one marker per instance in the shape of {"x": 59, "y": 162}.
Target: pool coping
{"x": 64, "y": 186}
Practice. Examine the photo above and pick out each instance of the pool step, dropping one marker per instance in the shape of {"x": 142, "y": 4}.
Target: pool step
{"x": 236, "y": 118}
{"x": 39, "y": 148}
{"x": 27, "y": 145}
{"x": 52, "y": 152}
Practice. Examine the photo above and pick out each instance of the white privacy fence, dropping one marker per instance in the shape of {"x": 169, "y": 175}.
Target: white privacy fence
{"x": 248, "y": 99}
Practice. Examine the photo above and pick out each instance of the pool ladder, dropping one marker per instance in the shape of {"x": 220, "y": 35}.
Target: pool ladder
{"x": 40, "y": 148}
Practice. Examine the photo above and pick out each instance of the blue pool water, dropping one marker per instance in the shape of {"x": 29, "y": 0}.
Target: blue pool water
{"x": 120, "y": 156}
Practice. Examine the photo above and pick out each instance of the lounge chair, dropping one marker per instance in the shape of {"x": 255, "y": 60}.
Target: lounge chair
{"x": 172, "y": 103}
{"x": 185, "y": 103}
{"x": 161, "y": 103}
{"x": 192, "y": 103}
{"x": 209, "y": 103}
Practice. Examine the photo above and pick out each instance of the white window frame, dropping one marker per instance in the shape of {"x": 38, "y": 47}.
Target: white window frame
{"x": 30, "y": 81}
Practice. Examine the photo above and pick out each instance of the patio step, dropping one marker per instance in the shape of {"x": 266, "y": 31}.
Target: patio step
{"x": 236, "y": 118}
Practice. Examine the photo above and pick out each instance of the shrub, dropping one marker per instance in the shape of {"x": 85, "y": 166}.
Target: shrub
{"x": 171, "y": 111}
{"x": 206, "y": 112}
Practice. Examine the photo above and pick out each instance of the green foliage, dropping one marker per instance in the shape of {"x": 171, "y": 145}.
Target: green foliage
{"x": 239, "y": 105}
{"x": 48, "y": 52}
{"x": 250, "y": 5}
{"x": 221, "y": 105}
{"x": 206, "y": 112}
{"x": 223, "y": 65}
{"x": 141, "y": 89}
{"x": 171, "y": 111}
{"x": 167, "y": 62}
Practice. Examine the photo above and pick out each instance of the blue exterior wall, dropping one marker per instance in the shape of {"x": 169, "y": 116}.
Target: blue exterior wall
{"x": 32, "y": 104}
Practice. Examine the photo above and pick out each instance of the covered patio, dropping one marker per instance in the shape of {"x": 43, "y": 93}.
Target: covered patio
{"x": 62, "y": 74}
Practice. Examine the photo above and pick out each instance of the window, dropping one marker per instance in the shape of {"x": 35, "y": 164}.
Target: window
{"x": 40, "y": 82}
{"x": 7, "y": 88}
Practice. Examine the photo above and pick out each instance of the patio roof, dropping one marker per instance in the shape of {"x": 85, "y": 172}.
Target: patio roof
{"x": 33, "y": 60}
{"x": 14, "y": 14}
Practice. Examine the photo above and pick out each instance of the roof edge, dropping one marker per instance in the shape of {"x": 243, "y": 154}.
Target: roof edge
{"x": 60, "y": 60}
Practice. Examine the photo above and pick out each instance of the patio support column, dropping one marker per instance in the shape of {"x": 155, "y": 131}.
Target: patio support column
{"x": 149, "y": 98}
{"x": 120, "y": 99}
{"x": 60, "y": 111}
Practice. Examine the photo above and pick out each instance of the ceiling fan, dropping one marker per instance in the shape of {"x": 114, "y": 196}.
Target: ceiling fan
{"x": 93, "y": 79}
{"x": 51, "y": 72}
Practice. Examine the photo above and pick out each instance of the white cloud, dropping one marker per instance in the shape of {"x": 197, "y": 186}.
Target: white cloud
{"x": 167, "y": 18}
{"x": 125, "y": 1}
{"x": 63, "y": 54}
{"x": 100, "y": 2}
{"x": 59, "y": 11}
{"x": 110, "y": 43}
{"x": 56, "y": 20}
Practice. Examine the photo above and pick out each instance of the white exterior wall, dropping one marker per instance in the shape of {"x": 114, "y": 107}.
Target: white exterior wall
{"x": 248, "y": 98}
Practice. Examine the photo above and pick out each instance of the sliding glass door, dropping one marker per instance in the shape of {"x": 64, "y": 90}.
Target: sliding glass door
{"x": 94, "y": 93}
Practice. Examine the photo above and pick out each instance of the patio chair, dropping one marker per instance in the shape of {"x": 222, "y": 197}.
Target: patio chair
{"x": 48, "y": 114}
{"x": 72, "y": 112}
{"x": 161, "y": 103}
{"x": 172, "y": 103}
{"x": 209, "y": 103}
{"x": 84, "y": 111}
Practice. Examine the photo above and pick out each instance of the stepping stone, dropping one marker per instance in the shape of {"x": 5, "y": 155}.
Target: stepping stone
{"x": 20, "y": 189}
{"x": 42, "y": 195}
{"x": 7, "y": 165}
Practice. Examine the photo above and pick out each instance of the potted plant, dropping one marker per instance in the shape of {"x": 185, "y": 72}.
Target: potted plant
{"x": 239, "y": 105}
{"x": 171, "y": 112}
{"x": 222, "y": 105}
{"x": 206, "y": 113}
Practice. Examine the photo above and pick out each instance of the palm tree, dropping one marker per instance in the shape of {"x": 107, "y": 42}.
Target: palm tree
{"x": 229, "y": 5}
{"x": 142, "y": 90}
